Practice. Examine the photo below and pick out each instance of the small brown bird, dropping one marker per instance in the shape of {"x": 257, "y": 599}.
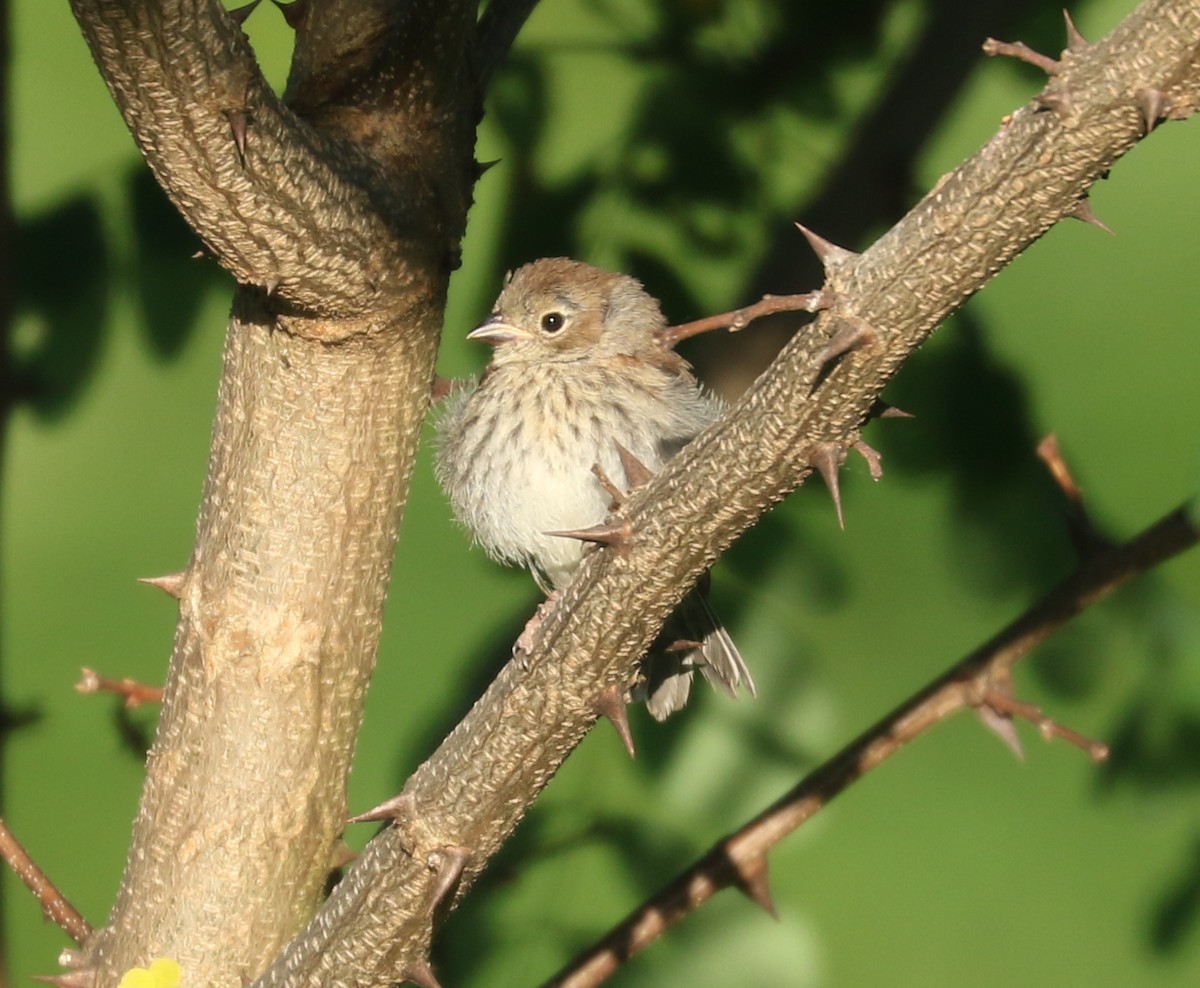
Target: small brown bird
{"x": 577, "y": 369}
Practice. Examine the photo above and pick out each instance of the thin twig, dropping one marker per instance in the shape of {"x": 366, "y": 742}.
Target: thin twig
{"x": 133, "y": 692}
{"x": 1022, "y": 52}
{"x": 944, "y": 251}
{"x": 738, "y": 319}
{"x": 979, "y": 678}
{"x": 1086, "y": 537}
{"x": 54, "y": 904}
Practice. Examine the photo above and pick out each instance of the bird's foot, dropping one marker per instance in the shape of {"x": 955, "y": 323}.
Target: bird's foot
{"x": 526, "y": 639}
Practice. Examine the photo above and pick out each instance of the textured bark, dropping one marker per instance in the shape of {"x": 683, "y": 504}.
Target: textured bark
{"x": 341, "y": 219}
{"x": 979, "y": 680}
{"x": 343, "y": 208}
{"x": 473, "y": 791}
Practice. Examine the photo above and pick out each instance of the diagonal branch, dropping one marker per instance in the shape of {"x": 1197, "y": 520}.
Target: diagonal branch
{"x": 54, "y": 904}
{"x": 740, "y": 860}
{"x": 345, "y": 210}
{"x": 475, "y": 788}
{"x": 872, "y": 180}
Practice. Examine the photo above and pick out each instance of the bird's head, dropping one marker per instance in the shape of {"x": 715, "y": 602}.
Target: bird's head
{"x": 557, "y": 309}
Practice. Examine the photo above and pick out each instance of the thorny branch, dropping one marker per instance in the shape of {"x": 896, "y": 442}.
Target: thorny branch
{"x": 888, "y": 301}
{"x": 54, "y": 904}
{"x": 982, "y": 680}
{"x": 339, "y": 209}
{"x": 462, "y": 804}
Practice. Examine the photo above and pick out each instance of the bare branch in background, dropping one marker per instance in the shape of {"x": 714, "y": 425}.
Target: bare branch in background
{"x": 974, "y": 222}
{"x": 982, "y": 681}
{"x": 340, "y": 210}
{"x": 54, "y": 904}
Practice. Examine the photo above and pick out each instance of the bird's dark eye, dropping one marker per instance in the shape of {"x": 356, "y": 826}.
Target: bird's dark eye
{"x": 552, "y": 322}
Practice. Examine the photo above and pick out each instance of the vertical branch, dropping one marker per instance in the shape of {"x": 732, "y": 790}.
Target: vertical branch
{"x": 340, "y": 216}
{"x": 473, "y": 790}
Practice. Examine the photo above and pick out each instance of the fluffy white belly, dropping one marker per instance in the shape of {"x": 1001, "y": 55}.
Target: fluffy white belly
{"x": 551, "y": 491}
{"x": 516, "y": 470}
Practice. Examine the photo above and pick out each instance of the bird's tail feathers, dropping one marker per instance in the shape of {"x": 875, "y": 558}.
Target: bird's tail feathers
{"x": 669, "y": 672}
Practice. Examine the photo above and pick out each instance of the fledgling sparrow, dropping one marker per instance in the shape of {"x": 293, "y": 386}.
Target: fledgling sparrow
{"x": 576, "y": 369}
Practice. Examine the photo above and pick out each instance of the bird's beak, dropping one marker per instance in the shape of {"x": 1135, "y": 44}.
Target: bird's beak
{"x": 496, "y": 330}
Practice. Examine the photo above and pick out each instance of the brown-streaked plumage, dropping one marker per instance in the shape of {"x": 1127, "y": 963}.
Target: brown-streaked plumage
{"x": 577, "y": 369}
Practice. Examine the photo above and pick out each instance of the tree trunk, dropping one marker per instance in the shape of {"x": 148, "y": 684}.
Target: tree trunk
{"x": 340, "y": 217}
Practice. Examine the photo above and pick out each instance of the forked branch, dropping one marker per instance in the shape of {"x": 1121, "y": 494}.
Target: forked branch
{"x": 339, "y": 210}
{"x": 820, "y": 390}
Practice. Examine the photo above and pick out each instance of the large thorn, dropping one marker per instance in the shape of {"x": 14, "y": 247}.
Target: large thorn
{"x": 171, "y": 584}
{"x": 1058, "y": 100}
{"x": 636, "y": 472}
{"x": 239, "y": 14}
{"x": 1075, "y": 41}
{"x": 616, "y": 534}
{"x": 397, "y": 808}
{"x": 1003, "y": 727}
{"x": 853, "y": 334}
{"x": 1082, "y": 210}
{"x": 753, "y": 882}
{"x": 882, "y": 410}
{"x": 238, "y": 124}
{"x": 611, "y": 705}
{"x": 827, "y": 458}
{"x": 448, "y": 864}
{"x": 483, "y": 167}
{"x": 829, "y": 254}
{"x": 873, "y": 457}
{"x": 420, "y": 973}
{"x": 1153, "y": 105}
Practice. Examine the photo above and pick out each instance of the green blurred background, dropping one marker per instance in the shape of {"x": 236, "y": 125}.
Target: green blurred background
{"x": 678, "y": 139}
